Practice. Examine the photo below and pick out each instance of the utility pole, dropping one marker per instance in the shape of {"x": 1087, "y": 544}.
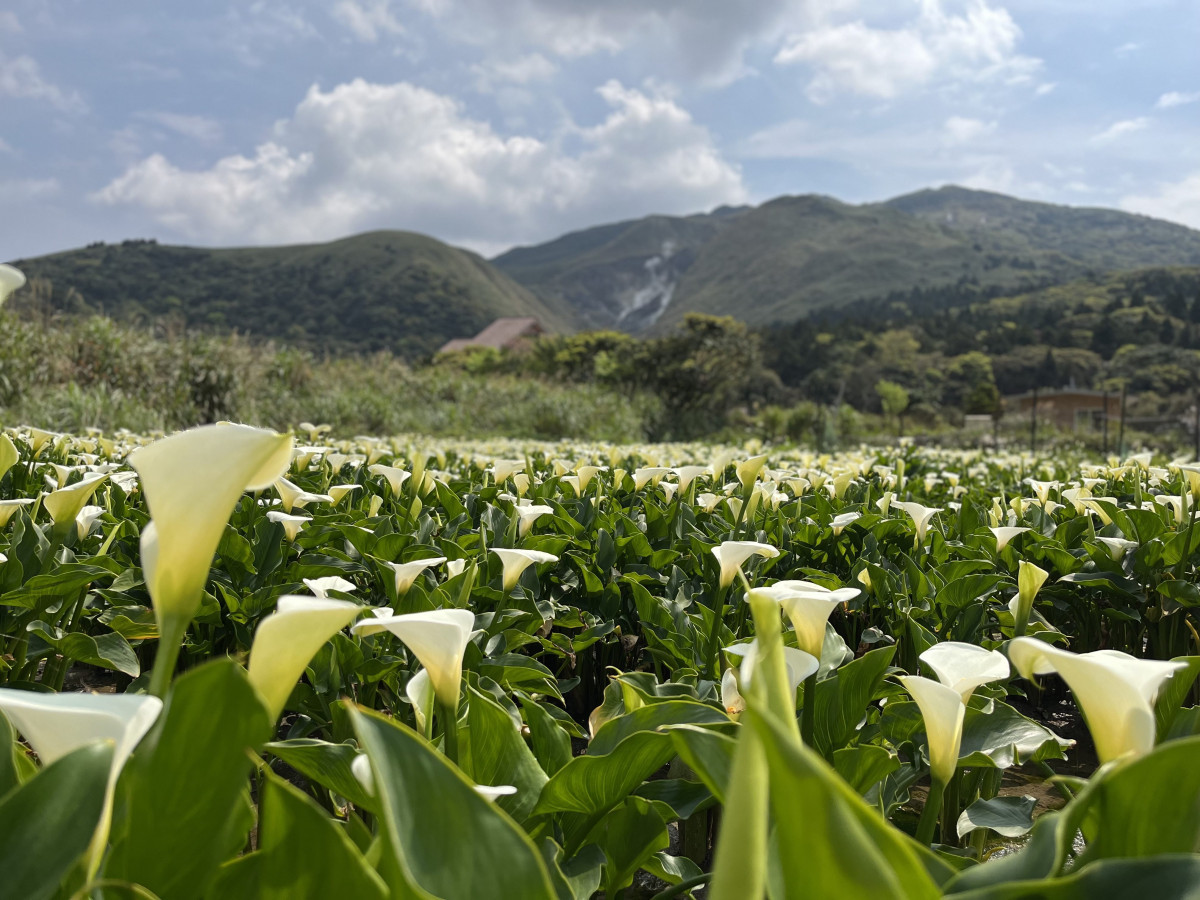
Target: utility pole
{"x": 1033, "y": 423}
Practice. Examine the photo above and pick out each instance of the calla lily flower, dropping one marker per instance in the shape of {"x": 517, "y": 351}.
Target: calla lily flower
{"x": 808, "y": 607}
{"x": 395, "y": 477}
{"x": 292, "y": 496}
{"x": 528, "y": 514}
{"x": 517, "y": 561}
{"x": 1004, "y": 534}
{"x": 338, "y": 491}
{"x": 322, "y": 586}
{"x": 419, "y": 691}
{"x": 921, "y": 517}
{"x": 731, "y": 697}
{"x": 407, "y": 573}
{"x": 960, "y": 668}
{"x": 732, "y": 554}
{"x": 455, "y": 567}
{"x": 288, "y": 638}
{"x": 291, "y": 524}
{"x": 8, "y": 454}
{"x": 8, "y": 508}
{"x": 11, "y": 279}
{"x": 648, "y": 475}
{"x": 1117, "y": 547}
{"x": 493, "y": 792}
{"x": 747, "y": 470}
{"x": 438, "y": 639}
{"x": 840, "y": 522}
{"x": 585, "y": 474}
{"x": 688, "y": 474}
{"x": 943, "y": 710}
{"x": 885, "y": 502}
{"x": 799, "y": 665}
{"x": 1115, "y": 691}
{"x": 708, "y": 502}
{"x": 1030, "y": 579}
{"x": 64, "y": 504}
{"x": 87, "y": 519}
{"x": 503, "y": 469}
{"x": 192, "y": 480}
{"x": 56, "y": 724}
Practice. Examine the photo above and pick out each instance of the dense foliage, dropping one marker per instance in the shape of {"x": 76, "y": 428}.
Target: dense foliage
{"x": 538, "y": 671}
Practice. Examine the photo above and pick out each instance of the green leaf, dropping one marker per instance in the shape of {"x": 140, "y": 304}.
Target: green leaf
{"x": 1038, "y": 858}
{"x": 864, "y": 766}
{"x": 1163, "y": 878}
{"x": 302, "y": 855}
{"x": 182, "y": 801}
{"x": 629, "y": 835}
{"x": 499, "y": 755}
{"x": 1003, "y": 738}
{"x": 1172, "y": 694}
{"x": 551, "y": 744}
{"x": 433, "y": 815}
{"x": 47, "y": 823}
{"x": 841, "y": 700}
{"x": 834, "y": 844}
{"x": 682, "y": 796}
{"x": 707, "y": 753}
{"x": 107, "y": 651}
{"x": 326, "y": 764}
{"x": 1007, "y": 816}
{"x": 10, "y": 777}
{"x": 65, "y": 581}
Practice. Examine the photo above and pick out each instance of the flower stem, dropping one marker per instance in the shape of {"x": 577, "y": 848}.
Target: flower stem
{"x": 808, "y": 716}
{"x": 929, "y": 815}
{"x": 714, "y": 634}
{"x": 170, "y": 641}
{"x": 449, "y": 716}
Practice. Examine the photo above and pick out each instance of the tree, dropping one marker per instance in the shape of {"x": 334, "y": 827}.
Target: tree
{"x": 894, "y": 400}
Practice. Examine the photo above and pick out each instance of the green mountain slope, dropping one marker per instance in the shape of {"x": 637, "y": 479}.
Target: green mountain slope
{"x": 621, "y": 275}
{"x": 794, "y": 255}
{"x": 386, "y": 290}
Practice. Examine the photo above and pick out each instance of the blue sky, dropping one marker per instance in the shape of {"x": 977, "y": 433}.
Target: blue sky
{"x": 490, "y": 123}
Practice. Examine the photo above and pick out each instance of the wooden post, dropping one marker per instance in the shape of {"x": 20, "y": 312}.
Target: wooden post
{"x": 1121, "y": 427}
{"x": 1104, "y": 423}
{"x": 1033, "y": 423}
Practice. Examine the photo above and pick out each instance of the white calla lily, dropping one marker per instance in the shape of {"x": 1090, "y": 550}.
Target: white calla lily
{"x": 338, "y": 491}
{"x": 11, "y": 279}
{"x": 808, "y": 607}
{"x": 8, "y": 508}
{"x": 503, "y": 469}
{"x": 516, "y": 561}
{"x": 1117, "y": 547}
{"x": 437, "y": 638}
{"x": 419, "y": 691}
{"x": 943, "y": 711}
{"x": 688, "y": 474}
{"x": 293, "y": 496}
{"x": 1004, "y": 534}
{"x": 748, "y": 469}
{"x": 921, "y": 517}
{"x": 8, "y": 454}
{"x": 191, "y": 481}
{"x": 1030, "y": 579}
{"x": 731, "y": 697}
{"x": 1115, "y": 691}
{"x": 840, "y": 522}
{"x": 65, "y": 503}
{"x": 288, "y": 639}
{"x": 395, "y": 477}
{"x": 322, "y": 586}
{"x": 964, "y": 667}
{"x": 648, "y": 475}
{"x": 407, "y": 573}
{"x": 455, "y": 567}
{"x": 493, "y": 792}
{"x": 291, "y": 524}
{"x": 529, "y": 513}
{"x": 731, "y": 555}
{"x": 86, "y": 519}
{"x": 799, "y": 664}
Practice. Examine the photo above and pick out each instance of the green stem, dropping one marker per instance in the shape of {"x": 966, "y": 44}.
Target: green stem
{"x": 950, "y": 803}
{"x": 808, "y": 716}
{"x": 170, "y": 642}
{"x": 678, "y": 890}
{"x": 714, "y": 634}
{"x": 929, "y": 815}
{"x": 449, "y": 716}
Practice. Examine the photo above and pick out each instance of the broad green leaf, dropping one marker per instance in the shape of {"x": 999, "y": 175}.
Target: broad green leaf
{"x": 707, "y": 753}
{"x": 65, "y": 581}
{"x": 302, "y": 855}
{"x": 10, "y": 777}
{"x": 551, "y": 744}
{"x": 47, "y": 823}
{"x": 1171, "y": 695}
{"x": 629, "y": 835}
{"x": 1168, "y": 877}
{"x": 1007, "y": 816}
{"x": 841, "y": 700}
{"x": 107, "y": 651}
{"x": 181, "y": 802}
{"x": 433, "y": 815}
{"x": 865, "y": 765}
{"x": 326, "y": 764}
{"x": 836, "y": 845}
{"x": 682, "y": 796}
{"x": 499, "y": 755}
{"x": 1038, "y": 858}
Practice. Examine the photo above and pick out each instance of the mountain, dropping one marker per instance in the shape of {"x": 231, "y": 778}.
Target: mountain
{"x": 617, "y": 276}
{"x": 797, "y": 254}
{"x": 385, "y": 290}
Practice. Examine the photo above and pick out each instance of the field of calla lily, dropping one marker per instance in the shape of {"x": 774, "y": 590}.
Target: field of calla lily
{"x": 238, "y": 663}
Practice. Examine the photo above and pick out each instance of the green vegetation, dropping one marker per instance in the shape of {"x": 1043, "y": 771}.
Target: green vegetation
{"x": 390, "y": 290}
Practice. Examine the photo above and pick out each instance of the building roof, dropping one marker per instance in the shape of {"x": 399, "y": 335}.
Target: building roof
{"x": 502, "y": 334}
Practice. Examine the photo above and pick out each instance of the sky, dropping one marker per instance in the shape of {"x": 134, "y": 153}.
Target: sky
{"x": 494, "y": 123}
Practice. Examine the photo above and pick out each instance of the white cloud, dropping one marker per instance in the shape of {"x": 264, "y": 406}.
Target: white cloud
{"x": 978, "y": 43}
{"x": 1128, "y": 49}
{"x": 1176, "y": 202}
{"x": 9, "y": 22}
{"x": 198, "y": 128}
{"x": 29, "y": 188}
{"x": 1176, "y": 98}
{"x": 365, "y": 155}
{"x": 520, "y": 71}
{"x": 21, "y": 77}
{"x": 368, "y": 19}
{"x": 960, "y": 130}
{"x": 1120, "y": 129}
